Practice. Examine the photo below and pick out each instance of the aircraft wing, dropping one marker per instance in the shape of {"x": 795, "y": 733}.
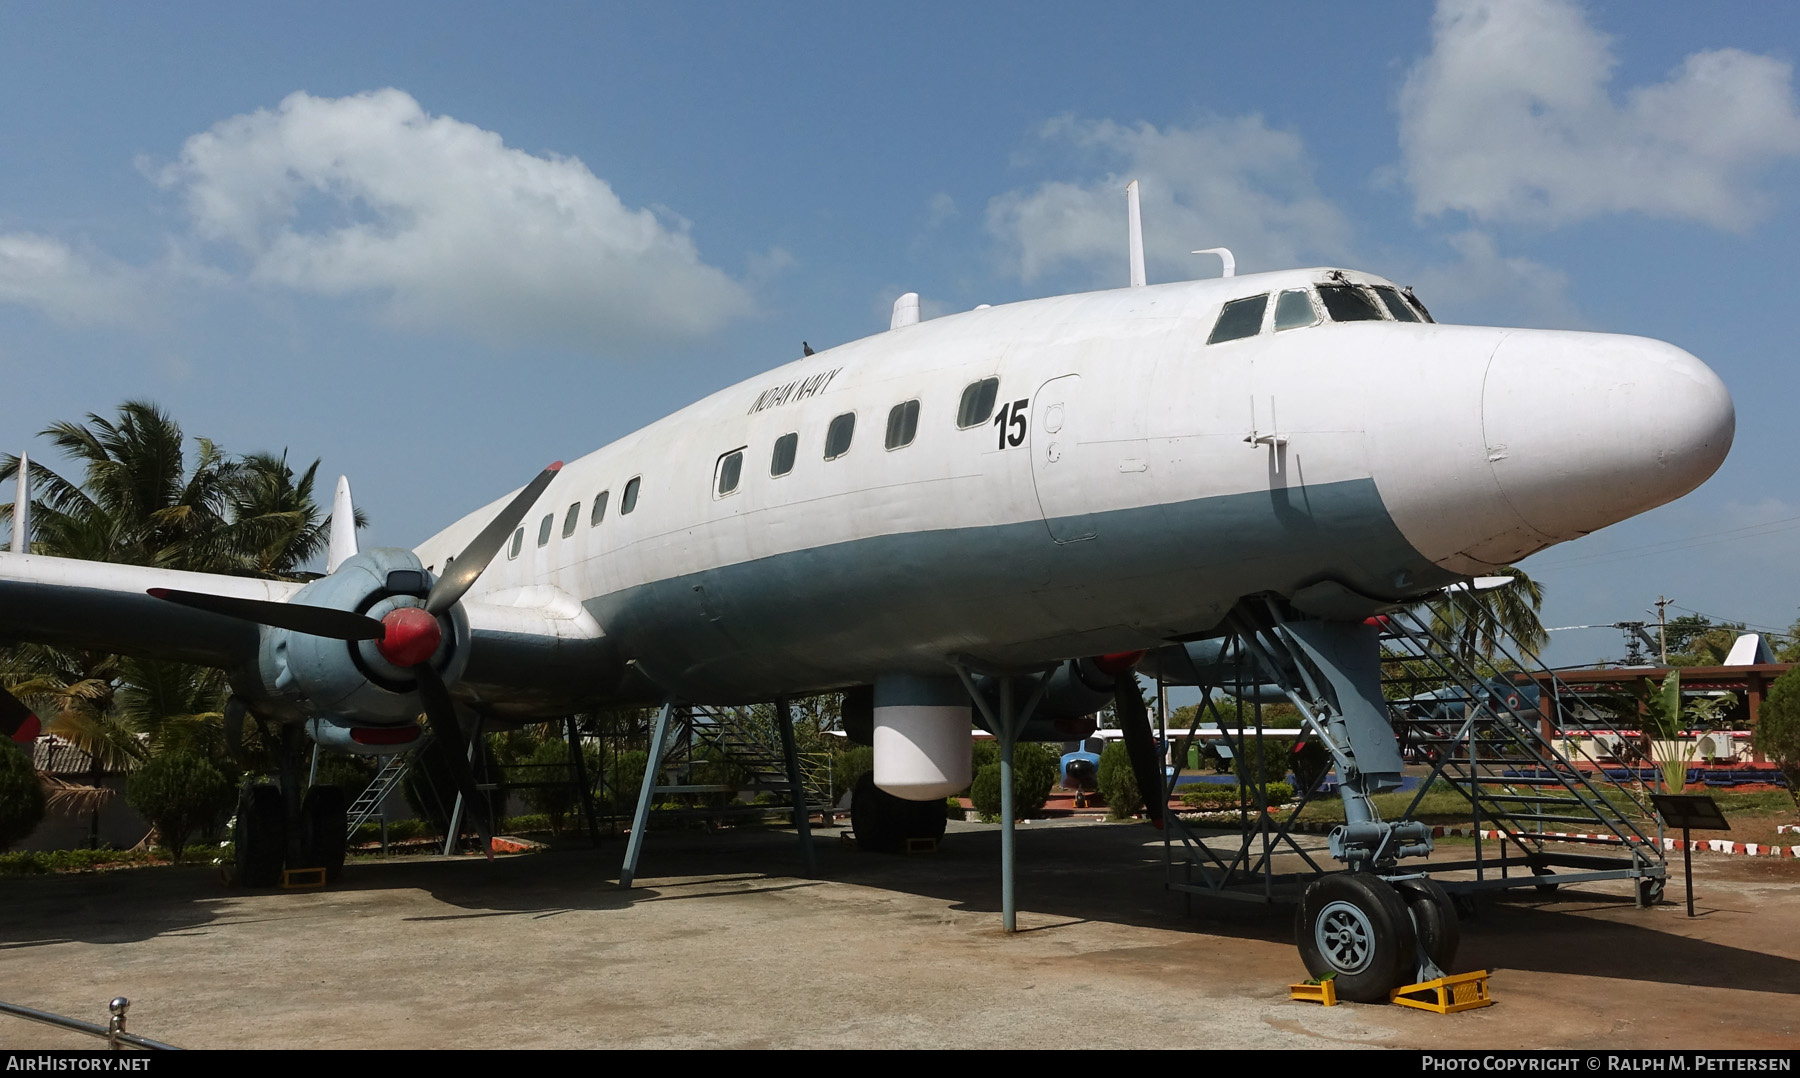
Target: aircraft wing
{"x": 100, "y": 606}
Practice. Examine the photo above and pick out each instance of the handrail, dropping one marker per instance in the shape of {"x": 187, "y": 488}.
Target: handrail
{"x": 112, "y": 1033}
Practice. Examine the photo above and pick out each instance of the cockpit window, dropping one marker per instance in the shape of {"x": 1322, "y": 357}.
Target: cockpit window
{"x": 1240, "y": 318}
{"x": 1347, "y": 303}
{"x": 1295, "y": 309}
{"x": 1423, "y": 310}
{"x": 1390, "y": 298}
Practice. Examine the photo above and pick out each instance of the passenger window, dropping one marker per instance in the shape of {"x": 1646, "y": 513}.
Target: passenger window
{"x": 628, "y": 500}
{"x": 837, "y": 436}
{"x": 518, "y": 541}
{"x": 1295, "y": 309}
{"x": 903, "y": 424}
{"x": 570, "y": 519}
{"x": 787, "y": 447}
{"x": 1390, "y": 298}
{"x": 1346, "y": 303}
{"x": 599, "y": 508}
{"x": 1240, "y": 318}
{"x": 727, "y": 472}
{"x": 544, "y": 528}
{"x": 977, "y": 403}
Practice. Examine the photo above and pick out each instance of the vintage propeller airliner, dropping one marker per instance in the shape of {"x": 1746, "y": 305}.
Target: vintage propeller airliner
{"x": 1041, "y": 492}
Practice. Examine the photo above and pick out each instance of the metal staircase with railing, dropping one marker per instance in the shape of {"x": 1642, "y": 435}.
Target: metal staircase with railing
{"x": 1483, "y": 727}
{"x": 385, "y": 782}
{"x": 1488, "y": 733}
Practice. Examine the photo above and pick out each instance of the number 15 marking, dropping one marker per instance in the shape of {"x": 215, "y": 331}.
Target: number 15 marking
{"x": 1012, "y": 423}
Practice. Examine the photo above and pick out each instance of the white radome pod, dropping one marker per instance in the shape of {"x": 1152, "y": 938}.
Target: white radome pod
{"x": 922, "y": 751}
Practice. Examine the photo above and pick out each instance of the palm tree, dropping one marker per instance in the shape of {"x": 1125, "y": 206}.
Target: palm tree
{"x": 1478, "y": 624}
{"x": 139, "y": 503}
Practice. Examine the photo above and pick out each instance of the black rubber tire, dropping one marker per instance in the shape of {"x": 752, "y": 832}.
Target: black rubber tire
{"x": 323, "y": 818}
{"x": 1544, "y": 888}
{"x": 1355, "y": 925}
{"x": 1434, "y": 919}
{"x": 882, "y": 822}
{"x": 260, "y": 837}
{"x": 1650, "y": 891}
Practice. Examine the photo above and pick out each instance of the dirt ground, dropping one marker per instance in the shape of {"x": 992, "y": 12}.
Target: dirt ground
{"x": 725, "y": 945}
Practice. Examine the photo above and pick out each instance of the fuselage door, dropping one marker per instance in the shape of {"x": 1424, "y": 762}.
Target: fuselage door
{"x": 1056, "y": 461}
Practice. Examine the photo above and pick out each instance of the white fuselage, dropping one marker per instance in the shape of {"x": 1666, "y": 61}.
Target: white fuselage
{"x": 1131, "y": 482}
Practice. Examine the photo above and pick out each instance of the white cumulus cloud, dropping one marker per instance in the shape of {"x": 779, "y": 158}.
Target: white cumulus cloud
{"x": 71, "y": 286}
{"x": 1220, "y": 183}
{"x": 444, "y": 224}
{"x": 1510, "y": 118}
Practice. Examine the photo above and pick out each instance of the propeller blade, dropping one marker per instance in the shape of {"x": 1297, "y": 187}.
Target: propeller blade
{"x": 460, "y": 574}
{"x": 1140, "y": 745}
{"x": 441, "y": 712}
{"x": 298, "y": 617}
{"x": 16, "y": 720}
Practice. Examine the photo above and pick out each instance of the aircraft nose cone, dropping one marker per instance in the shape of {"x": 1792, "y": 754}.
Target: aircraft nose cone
{"x": 1587, "y": 429}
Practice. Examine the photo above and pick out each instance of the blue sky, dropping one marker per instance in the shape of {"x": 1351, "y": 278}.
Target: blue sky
{"x": 439, "y": 245}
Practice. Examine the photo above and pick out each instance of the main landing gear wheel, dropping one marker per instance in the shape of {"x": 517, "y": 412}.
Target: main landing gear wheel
{"x": 322, "y": 817}
{"x": 260, "y": 837}
{"x": 1434, "y": 918}
{"x": 883, "y": 822}
{"x": 1356, "y": 926}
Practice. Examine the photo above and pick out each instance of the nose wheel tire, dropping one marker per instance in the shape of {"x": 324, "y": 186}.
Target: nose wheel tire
{"x": 1356, "y": 926}
{"x": 1434, "y": 918}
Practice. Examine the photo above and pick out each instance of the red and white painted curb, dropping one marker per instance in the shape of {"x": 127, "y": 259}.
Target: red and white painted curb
{"x": 1699, "y": 845}
{"x": 1672, "y": 845}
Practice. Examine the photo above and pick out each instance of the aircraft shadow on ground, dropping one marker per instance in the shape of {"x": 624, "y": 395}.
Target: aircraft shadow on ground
{"x": 1115, "y": 874}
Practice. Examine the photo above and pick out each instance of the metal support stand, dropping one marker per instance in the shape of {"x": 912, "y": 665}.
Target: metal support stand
{"x": 1006, "y": 726}
{"x": 802, "y": 816}
{"x": 583, "y": 789}
{"x": 454, "y": 831}
{"x": 640, "y": 820}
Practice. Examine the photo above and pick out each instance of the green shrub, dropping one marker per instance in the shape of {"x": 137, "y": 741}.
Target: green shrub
{"x": 1267, "y": 763}
{"x": 1777, "y": 733}
{"x": 1034, "y": 776}
{"x": 1117, "y": 783}
{"x": 180, "y": 792}
{"x": 549, "y": 762}
{"x": 21, "y": 795}
{"x": 852, "y": 763}
{"x": 350, "y": 773}
{"x": 1218, "y": 797}
{"x": 984, "y": 792}
{"x": 23, "y": 864}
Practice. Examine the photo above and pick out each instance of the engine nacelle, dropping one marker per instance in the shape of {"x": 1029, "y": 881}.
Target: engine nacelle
{"x": 353, "y": 681}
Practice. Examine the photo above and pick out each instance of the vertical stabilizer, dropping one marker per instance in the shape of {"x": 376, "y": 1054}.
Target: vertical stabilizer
{"x": 1134, "y": 224}
{"x": 21, "y": 518}
{"x": 343, "y": 527}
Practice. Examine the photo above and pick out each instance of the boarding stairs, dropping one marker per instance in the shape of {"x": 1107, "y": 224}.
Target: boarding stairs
{"x": 1531, "y": 806}
{"x": 385, "y": 782}
{"x": 1488, "y": 733}
{"x": 731, "y": 751}
{"x": 732, "y": 744}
